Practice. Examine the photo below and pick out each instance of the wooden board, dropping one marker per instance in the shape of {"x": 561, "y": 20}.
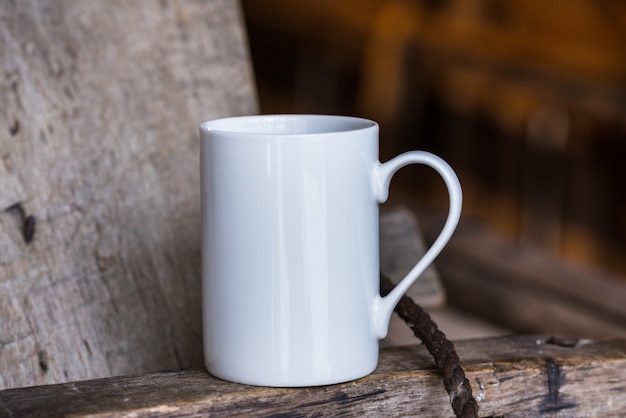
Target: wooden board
{"x": 525, "y": 289}
{"x": 401, "y": 247}
{"x": 101, "y": 102}
{"x": 514, "y": 376}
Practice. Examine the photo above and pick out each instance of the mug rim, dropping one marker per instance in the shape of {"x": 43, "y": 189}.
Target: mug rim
{"x": 259, "y": 125}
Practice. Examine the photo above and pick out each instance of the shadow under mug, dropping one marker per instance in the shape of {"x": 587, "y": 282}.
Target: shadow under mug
{"x": 290, "y": 251}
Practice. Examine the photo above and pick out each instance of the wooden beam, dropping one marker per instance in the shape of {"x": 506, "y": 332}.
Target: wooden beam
{"x": 100, "y": 106}
{"x": 401, "y": 247}
{"x": 512, "y": 376}
{"x": 525, "y": 289}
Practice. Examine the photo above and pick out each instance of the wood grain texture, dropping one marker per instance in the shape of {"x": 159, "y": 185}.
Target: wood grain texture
{"x": 101, "y": 103}
{"x": 515, "y": 376}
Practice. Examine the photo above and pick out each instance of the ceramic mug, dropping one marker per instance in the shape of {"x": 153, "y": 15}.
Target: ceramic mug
{"x": 290, "y": 256}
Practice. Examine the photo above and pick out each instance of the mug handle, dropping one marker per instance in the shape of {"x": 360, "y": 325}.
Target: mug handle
{"x": 384, "y": 306}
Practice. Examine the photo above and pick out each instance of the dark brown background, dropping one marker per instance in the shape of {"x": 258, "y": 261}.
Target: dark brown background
{"x": 524, "y": 98}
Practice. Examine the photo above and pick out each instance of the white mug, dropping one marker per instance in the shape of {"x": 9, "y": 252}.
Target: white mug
{"x": 290, "y": 255}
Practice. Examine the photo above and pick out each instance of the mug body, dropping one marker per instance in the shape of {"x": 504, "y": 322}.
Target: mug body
{"x": 290, "y": 249}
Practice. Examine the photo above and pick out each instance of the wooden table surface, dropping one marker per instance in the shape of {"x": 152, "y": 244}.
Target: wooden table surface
{"x": 510, "y": 376}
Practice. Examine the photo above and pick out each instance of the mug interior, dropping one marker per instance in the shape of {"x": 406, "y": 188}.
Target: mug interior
{"x": 288, "y": 124}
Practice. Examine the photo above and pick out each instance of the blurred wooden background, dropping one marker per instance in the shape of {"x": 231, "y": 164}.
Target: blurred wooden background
{"x": 523, "y": 97}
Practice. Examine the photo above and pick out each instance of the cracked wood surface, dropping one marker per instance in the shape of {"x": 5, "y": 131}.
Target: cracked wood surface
{"x": 101, "y": 103}
{"x": 513, "y": 376}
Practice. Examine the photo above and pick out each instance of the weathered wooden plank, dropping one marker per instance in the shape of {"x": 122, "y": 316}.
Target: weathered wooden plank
{"x": 100, "y": 105}
{"x": 401, "y": 247}
{"x": 510, "y": 376}
{"x": 525, "y": 289}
